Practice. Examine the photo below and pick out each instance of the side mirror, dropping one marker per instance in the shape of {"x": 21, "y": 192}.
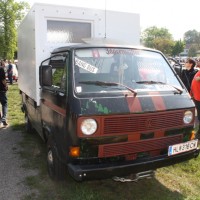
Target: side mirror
{"x": 45, "y": 75}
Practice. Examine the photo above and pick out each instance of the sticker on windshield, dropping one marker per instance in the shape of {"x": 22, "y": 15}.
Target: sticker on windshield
{"x": 86, "y": 66}
{"x": 78, "y": 89}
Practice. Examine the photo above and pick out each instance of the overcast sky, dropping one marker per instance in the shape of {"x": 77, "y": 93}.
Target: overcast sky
{"x": 177, "y": 16}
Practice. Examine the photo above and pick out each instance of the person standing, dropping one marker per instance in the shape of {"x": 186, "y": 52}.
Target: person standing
{"x": 195, "y": 94}
{"x": 3, "y": 65}
{"x": 10, "y": 72}
{"x": 188, "y": 73}
{"x": 3, "y": 97}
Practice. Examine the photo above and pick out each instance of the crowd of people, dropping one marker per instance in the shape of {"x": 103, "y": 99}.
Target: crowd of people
{"x": 6, "y": 68}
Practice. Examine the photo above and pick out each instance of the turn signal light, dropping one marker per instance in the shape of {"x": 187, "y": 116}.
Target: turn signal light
{"x": 74, "y": 151}
{"x": 192, "y": 136}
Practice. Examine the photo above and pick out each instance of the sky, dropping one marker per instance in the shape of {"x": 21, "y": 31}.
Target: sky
{"x": 177, "y": 16}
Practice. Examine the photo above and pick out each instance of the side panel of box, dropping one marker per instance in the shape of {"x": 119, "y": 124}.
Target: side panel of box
{"x": 26, "y": 56}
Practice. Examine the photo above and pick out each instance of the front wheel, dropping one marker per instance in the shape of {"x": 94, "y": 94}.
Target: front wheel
{"x": 56, "y": 169}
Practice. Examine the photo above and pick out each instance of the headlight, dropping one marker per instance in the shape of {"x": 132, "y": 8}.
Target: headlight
{"x": 188, "y": 117}
{"x": 88, "y": 126}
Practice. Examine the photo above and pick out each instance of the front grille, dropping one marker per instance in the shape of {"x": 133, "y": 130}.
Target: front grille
{"x": 126, "y": 148}
{"x": 142, "y": 122}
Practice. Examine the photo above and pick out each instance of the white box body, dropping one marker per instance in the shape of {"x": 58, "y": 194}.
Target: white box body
{"x": 46, "y": 27}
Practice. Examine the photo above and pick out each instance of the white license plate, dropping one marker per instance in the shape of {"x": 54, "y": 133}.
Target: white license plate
{"x": 182, "y": 147}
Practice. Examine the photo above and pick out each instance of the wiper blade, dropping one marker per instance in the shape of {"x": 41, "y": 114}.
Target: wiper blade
{"x": 159, "y": 82}
{"x": 150, "y": 82}
{"x": 101, "y": 83}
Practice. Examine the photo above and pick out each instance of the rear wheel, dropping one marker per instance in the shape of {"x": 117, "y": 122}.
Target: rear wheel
{"x": 56, "y": 169}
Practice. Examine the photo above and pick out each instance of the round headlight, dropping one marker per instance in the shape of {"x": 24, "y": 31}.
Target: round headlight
{"x": 88, "y": 126}
{"x": 188, "y": 117}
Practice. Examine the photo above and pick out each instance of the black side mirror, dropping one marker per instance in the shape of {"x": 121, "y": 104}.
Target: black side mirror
{"x": 45, "y": 75}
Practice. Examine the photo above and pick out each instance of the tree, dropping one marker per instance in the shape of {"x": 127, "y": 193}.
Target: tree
{"x": 178, "y": 48}
{"x": 163, "y": 44}
{"x": 10, "y": 14}
{"x": 190, "y": 37}
{"x": 192, "y": 51}
{"x": 158, "y": 38}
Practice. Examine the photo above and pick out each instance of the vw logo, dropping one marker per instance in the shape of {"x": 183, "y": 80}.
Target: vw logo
{"x": 149, "y": 123}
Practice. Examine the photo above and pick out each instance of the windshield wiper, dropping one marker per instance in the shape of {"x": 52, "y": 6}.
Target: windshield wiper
{"x": 101, "y": 83}
{"x": 159, "y": 82}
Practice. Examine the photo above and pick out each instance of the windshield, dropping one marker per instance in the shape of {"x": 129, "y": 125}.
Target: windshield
{"x": 115, "y": 70}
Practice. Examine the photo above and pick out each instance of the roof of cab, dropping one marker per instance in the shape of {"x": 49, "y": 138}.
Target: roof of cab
{"x": 99, "y": 44}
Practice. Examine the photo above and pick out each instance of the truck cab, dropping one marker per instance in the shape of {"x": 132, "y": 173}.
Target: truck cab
{"x": 111, "y": 110}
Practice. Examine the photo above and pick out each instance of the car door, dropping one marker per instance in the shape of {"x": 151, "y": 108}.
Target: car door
{"x": 54, "y": 98}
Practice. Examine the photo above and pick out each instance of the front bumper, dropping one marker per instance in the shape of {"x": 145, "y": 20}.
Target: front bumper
{"x": 103, "y": 171}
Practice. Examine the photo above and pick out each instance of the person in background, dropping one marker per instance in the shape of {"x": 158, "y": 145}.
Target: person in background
{"x": 188, "y": 73}
{"x": 3, "y": 97}
{"x": 5, "y": 62}
{"x": 10, "y": 72}
{"x": 195, "y": 94}
{"x": 3, "y": 65}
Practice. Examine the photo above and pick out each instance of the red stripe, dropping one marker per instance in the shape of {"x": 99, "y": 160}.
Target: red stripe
{"x": 157, "y": 101}
{"x": 134, "y": 104}
{"x": 54, "y": 107}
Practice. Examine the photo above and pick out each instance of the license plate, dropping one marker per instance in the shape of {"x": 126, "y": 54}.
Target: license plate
{"x": 182, "y": 147}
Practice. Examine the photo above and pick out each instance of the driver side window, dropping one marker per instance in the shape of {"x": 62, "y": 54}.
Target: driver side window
{"x": 57, "y": 77}
{"x": 59, "y": 73}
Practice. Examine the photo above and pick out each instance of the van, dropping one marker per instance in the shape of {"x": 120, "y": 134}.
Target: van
{"x": 106, "y": 109}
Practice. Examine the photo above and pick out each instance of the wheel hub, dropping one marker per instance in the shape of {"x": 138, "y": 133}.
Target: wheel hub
{"x": 50, "y": 157}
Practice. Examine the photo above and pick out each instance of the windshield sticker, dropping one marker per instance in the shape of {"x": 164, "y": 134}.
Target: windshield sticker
{"x": 139, "y": 53}
{"x": 78, "y": 89}
{"x": 84, "y": 65}
{"x": 122, "y": 51}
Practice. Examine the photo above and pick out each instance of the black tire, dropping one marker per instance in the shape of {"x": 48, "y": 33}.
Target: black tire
{"x": 28, "y": 125}
{"x": 56, "y": 169}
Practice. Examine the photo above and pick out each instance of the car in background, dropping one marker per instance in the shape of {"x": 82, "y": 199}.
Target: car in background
{"x": 15, "y": 73}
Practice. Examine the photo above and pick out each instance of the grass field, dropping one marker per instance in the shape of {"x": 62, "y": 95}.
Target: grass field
{"x": 178, "y": 182}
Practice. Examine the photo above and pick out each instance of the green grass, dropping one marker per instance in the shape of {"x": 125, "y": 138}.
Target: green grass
{"x": 178, "y": 182}
{"x": 16, "y": 117}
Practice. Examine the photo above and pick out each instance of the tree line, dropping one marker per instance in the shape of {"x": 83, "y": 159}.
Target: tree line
{"x": 12, "y": 12}
{"x": 161, "y": 39}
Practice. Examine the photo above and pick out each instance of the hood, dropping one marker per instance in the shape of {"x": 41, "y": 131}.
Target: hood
{"x": 149, "y": 102}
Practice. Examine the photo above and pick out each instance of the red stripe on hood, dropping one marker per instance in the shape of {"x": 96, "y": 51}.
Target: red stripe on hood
{"x": 134, "y": 104}
{"x": 157, "y": 101}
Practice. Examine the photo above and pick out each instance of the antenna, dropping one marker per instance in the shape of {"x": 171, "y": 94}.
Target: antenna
{"x": 105, "y": 18}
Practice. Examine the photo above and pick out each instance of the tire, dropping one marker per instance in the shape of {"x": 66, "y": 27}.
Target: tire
{"x": 28, "y": 126}
{"x": 56, "y": 169}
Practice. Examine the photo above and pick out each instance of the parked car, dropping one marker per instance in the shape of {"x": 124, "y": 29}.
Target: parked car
{"x": 15, "y": 73}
